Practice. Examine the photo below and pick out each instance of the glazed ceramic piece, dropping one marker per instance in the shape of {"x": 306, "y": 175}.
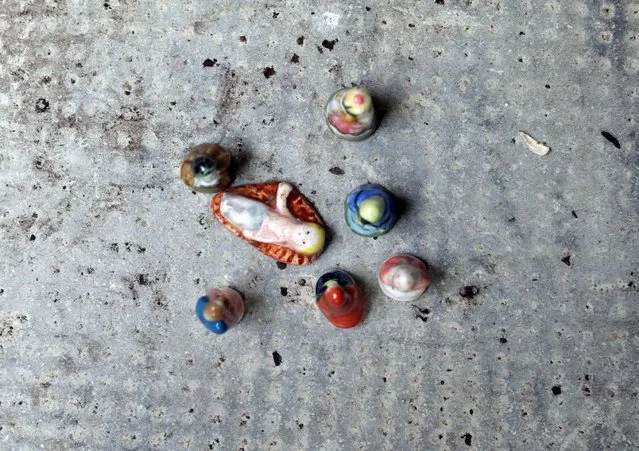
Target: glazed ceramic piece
{"x": 275, "y": 218}
{"x": 403, "y": 277}
{"x": 220, "y": 309}
{"x": 370, "y": 210}
{"x": 207, "y": 168}
{"x": 350, "y": 114}
{"x": 340, "y": 298}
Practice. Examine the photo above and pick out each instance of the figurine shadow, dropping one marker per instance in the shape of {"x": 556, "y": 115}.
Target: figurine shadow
{"x": 240, "y": 158}
{"x": 435, "y": 272}
{"x": 384, "y": 103}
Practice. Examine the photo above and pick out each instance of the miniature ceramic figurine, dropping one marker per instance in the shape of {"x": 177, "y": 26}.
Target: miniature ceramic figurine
{"x": 275, "y": 218}
{"x": 370, "y": 210}
{"x": 340, "y": 298}
{"x": 220, "y": 309}
{"x": 207, "y": 168}
{"x": 350, "y": 114}
{"x": 403, "y": 277}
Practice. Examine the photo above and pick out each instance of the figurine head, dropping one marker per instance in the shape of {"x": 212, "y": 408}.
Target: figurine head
{"x": 357, "y": 101}
{"x": 308, "y": 238}
{"x": 205, "y": 172}
{"x": 372, "y": 209}
{"x": 335, "y": 294}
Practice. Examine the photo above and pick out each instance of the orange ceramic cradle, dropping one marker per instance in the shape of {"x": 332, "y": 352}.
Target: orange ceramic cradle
{"x": 275, "y": 218}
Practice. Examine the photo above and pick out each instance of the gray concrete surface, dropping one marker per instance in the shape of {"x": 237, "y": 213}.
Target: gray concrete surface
{"x": 103, "y": 250}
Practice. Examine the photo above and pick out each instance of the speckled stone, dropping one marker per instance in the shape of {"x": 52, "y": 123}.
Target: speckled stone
{"x": 103, "y": 250}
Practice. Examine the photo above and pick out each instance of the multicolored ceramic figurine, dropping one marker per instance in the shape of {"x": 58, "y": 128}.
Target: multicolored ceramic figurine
{"x": 207, "y": 168}
{"x": 350, "y": 114}
{"x": 275, "y": 218}
{"x": 403, "y": 277}
{"x": 370, "y": 210}
{"x": 340, "y": 298}
{"x": 220, "y": 309}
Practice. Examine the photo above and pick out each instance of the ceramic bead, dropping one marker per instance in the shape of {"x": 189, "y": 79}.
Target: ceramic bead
{"x": 220, "y": 309}
{"x": 275, "y": 218}
{"x": 403, "y": 277}
{"x": 340, "y": 298}
{"x": 207, "y": 168}
{"x": 350, "y": 114}
{"x": 370, "y": 210}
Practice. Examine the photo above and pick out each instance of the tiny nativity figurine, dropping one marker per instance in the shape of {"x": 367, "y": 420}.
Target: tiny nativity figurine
{"x": 340, "y": 298}
{"x": 220, "y": 309}
{"x": 350, "y": 114}
{"x": 207, "y": 168}
{"x": 403, "y": 277}
{"x": 370, "y": 210}
{"x": 275, "y": 218}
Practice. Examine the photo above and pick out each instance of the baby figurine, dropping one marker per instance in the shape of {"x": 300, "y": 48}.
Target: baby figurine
{"x": 403, "y": 277}
{"x": 207, "y": 168}
{"x": 220, "y": 309}
{"x": 370, "y": 210}
{"x": 340, "y": 298}
{"x": 275, "y": 218}
{"x": 350, "y": 114}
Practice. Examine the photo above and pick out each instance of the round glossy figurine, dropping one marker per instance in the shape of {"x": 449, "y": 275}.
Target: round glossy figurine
{"x": 220, "y": 309}
{"x": 403, "y": 277}
{"x": 350, "y": 114}
{"x": 340, "y": 298}
{"x": 207, "y": 168}
{"x": 370, "y": 210}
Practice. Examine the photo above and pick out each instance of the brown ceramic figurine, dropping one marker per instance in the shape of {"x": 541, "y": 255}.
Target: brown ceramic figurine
{"x": 207, "y": 168}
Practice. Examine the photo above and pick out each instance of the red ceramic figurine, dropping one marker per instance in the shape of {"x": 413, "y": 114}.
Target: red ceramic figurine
{"x": 340, "y": 298}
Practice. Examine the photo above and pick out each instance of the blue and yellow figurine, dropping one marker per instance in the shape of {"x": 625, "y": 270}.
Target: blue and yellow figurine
{"x": 220, "y": 309}
{"x": 370, "y": 210}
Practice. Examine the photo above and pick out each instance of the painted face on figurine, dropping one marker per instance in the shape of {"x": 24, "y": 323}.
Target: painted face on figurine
{"x": 370, "y": 210}
{"x": 207, "y": 168}
{"x": 220, "y": 309}
{"x": 350, "y": 114}
{"x": 340, "y": 298}
{"x": 275, "y": 218}
{"x": 403, "y": 277}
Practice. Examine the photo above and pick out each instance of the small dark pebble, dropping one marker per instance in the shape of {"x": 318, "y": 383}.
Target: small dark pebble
{"x": 574, "y": 215}
{"x": 42, "y": 105}
{"x": 295, "y": 59}
{"x": 277, "y": 358}
{"x": 269, "y": 72}
{"x": 556, "y": 390}
{"x": 209, "y": 62}
{"x": 566, "y": 260}
{"x": 612, "y": 139}
{"x": 503, "y": 340}
{"x": 336, "y": 171}
{"x": 469, "y": 291}
{"x": 441, "y": 2}
{"x": 368, "y": 8}
{"x": 32, "y": 238}
{"x": 329, "y": 44}
{"x": 242, "y": 38}
{"x": 281, "y": 265}
{"x": 300, "y": 40}
{"x": 284, "y": 291}
{"x": 467, "y": 437}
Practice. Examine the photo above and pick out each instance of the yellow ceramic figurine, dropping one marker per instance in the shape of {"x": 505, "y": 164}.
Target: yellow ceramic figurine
{"x": 350, "y": 114}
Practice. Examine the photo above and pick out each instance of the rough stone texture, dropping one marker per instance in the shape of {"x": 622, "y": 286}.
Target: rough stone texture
{"x": 103, "y": 250}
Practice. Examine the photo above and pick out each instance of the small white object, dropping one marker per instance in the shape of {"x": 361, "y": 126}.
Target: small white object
{"x": 534, "y": 145}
